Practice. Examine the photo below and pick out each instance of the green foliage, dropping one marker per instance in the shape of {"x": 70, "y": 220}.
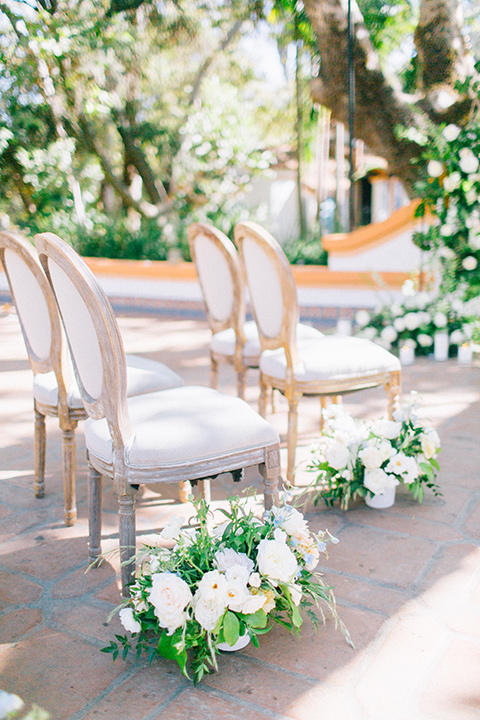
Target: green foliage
{"x": 306, "y": 250}
{"x": 356, "y": 459}
{"x": 220, "y": 589}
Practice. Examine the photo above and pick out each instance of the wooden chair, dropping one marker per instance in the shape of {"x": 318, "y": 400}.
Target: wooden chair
{"x": 185, "y": 433}
{"x": 234, "y": 341}
{"x": 55, "y": 392}
{"x": 326, "y": 366}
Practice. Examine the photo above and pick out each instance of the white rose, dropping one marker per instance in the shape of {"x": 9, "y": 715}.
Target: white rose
{"x": 253, "y": 603}
{"x": 457, "y": 337}
{"x": 411, "y": 321}
{"x": 469, "y": 263}
{"x": 435, "y": 168}
{"x": 451, "y": 132}
{"x": 401, "y": 464}
{"x": 440, "y": 320}
{"x": 469, "y": 163}
{"x": 208, "y": 612}
{"x": 389, "y": 334}
{"x": 388, "y": 428}
{"x": 371, "y": 457}
{"x": 337, "y": 455}
{"x": 276, "y": 561}
{"x": 378, "y": 481}
{"x": 295, "y": 593}
{"x": 446, "y": 230}
{"x": 128, "y": 621}
{"x": 169, "y": 596}
{"x": 254, "y": 580}
{"x": 228, "y": 558}
{"x": 171, "y": 531}
{"x": 399, "y": 324}
{"x": 430, "y": 443}
{"x": 362, "y": 318}
{"x": 424, "y": 340}
{"x": 294, "y": 523}
{"x": 452, "y": 182}
{"x": 237, "y": 595}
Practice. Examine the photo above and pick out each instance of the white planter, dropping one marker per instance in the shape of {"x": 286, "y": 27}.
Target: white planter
{"x": 381, "y": 500}
{"x": 242, "y": 642}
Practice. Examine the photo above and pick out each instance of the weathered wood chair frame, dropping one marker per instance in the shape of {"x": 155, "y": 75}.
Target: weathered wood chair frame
{"x": 229, "y": 310}
{"x": 106, "y": 399}
{"x": 38, "y": 314}
{"x": 285, "y": 296}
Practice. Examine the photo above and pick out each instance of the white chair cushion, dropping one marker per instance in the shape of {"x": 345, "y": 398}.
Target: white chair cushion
{"x": 331, "y": 358}
{"x": 143, "y": 376}
{"x": 184, "y": 424}
{"x": 224, "y": 342}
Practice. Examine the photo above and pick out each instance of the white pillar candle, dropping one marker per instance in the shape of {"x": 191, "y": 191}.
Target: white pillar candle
{"x": 344, "y": 326}
{"x": 440, "y": 351}
{"x": 407, "y": 355}
{"x": 465, "y": 354}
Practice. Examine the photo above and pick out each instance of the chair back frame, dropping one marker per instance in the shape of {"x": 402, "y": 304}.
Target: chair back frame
{"x": 78, "y": 281}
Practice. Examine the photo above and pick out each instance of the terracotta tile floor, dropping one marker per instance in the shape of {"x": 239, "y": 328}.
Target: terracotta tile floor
{"x": 407, "y": 579}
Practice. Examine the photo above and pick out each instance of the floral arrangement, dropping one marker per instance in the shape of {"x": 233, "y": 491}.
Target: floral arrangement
{"x": 415, "y": 319}
{"x": 220, "y": 583}
{"x": 355, "y": 458}
{"x": 450, "y": 193}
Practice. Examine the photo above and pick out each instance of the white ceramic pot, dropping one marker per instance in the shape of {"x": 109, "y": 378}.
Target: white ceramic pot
{"x": 381, "y": 500}
{"x": 242, "y": 642}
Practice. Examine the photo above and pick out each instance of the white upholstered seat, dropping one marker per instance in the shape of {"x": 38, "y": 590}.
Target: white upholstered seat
{"x": 55, "y": 391}
{"x": 324, "y": 366}
{"x": 234, "y": 341}
{"x": 185, "y": 433}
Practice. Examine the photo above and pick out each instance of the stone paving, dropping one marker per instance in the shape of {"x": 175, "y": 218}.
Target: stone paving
{"x": 407, "y": 579}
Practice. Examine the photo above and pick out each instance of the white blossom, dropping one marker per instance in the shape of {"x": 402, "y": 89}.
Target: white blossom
{"x": 469, "y": 263}
{"x": 128, "y": 621}
{"x": 169, "y": 596}
{"x": 435, "y": 168}
{"x": 276, "y": 561}
{"x": 451, "y": 132}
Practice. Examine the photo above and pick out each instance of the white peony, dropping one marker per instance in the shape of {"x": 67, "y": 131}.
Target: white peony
{"x": 337, "y": 455}
{"x": 169, "y": 596}
{"x": 430, "y": 443}
{"x": 276, "y": 561}
{"x": 229, "y": 558}
{"x": 435, "y": 168}
{"x": 378, "y": 481}
{"x": 238, "y": 574}
{"x": 469, "y": 263}
{"x": 451, "y": 132}
{"x": 128, "y": 621}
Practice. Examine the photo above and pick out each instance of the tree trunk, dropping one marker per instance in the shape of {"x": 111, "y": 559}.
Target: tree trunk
{"x": 381, "y": 108}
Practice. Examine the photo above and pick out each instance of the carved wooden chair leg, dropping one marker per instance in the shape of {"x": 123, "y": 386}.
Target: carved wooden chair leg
{"x": 69, "y": 468}
{"x": 272, "y": 400}
{"x": 213, "y": 373}
{"x": 241, "y": 384}
{"x": 95, "y": 487}
{"x": 39, "y": 440}
{"x": 126, "y": 525}
{"x": 262, "y": 400}
{"x": 184, "y": 491}
{"x": 292, "y": 437}
{"x": 270, "y": 471}
{"x": 393, "y": 387}
{"x": 205, "y": 490}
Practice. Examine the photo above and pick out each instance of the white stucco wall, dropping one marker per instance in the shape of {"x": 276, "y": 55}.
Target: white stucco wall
{"x": 396, "y": 255}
